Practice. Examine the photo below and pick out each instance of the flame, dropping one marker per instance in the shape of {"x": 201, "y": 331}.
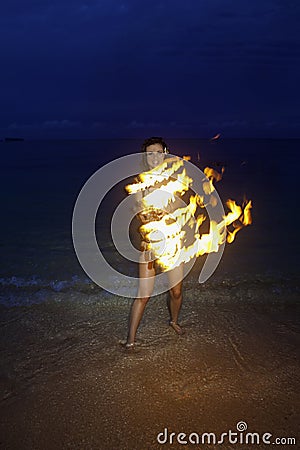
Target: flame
{"x": 155, "y": 176}
{"x": 166, "y": 230}
{"x": 247, "y": 218}
{"x": 244, "y": 218}
{"x": 212, "y": 176}
{"x": 215, "y": 137}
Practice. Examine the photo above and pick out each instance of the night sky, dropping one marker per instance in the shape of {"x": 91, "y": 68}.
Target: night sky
{"x": 189, "y": 68}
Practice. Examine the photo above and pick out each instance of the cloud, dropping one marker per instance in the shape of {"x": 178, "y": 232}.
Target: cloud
{"x": 60, "y": 124}
{"x": 21, "y": 126}
{"x": 138, "y": 124}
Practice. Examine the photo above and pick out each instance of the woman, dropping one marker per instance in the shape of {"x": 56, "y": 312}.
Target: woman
{"x": 155, "y": 150}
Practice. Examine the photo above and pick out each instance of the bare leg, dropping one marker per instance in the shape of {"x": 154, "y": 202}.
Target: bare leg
{"x": 175, "y": 299}
{"x": 144, "y": 293}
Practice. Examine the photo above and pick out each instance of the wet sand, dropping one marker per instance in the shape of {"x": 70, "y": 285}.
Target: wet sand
{"x": 67, "y": 383}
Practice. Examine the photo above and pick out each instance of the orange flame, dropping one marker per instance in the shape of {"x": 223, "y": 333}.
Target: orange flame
{"x": 165, "y": 231}
{"x": 215, "y": 137}
{"x": 212, "y": 176}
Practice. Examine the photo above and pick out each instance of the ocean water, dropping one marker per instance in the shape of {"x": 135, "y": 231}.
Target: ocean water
{"x": 40, "y": 182}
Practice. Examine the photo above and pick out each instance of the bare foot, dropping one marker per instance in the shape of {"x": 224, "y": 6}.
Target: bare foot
{"x": 177, "y": 328}
{"x": 127, "y": 346}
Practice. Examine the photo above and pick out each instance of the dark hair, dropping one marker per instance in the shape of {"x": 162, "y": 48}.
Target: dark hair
{"x": 151, "y": 141}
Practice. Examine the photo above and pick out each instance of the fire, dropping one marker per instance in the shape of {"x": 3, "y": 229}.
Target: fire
{"x": 215, "y": 137}
{"x": 166, "y": 231}
{"x": 212, "y": 176}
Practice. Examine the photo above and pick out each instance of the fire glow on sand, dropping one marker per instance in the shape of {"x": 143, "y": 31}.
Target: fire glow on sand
{"x": 173, "y": 234}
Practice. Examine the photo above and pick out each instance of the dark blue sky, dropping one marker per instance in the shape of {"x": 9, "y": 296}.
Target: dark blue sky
{"x": 190, "y": 68}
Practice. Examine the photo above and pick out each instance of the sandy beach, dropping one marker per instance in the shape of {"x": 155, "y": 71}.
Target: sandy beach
{"x": 67, "y": 382}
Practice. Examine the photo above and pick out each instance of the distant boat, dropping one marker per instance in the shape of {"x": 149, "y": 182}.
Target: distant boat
{"x": 13, "y": 139}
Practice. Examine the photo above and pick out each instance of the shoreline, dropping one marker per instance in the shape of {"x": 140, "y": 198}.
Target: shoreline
{"x": 67, "y": 383}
